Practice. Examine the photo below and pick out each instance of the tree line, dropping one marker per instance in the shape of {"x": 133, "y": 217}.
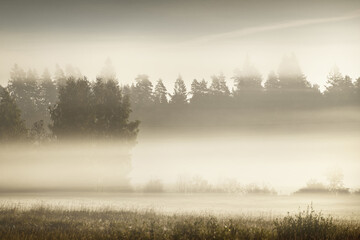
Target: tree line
{"x": 288, "y": 88}
{"x": 70, "y": 105}
{"x": 38, "y": 108}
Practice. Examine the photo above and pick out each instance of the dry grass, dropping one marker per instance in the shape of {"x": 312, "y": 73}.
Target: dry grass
{"x": 47, "y": 223}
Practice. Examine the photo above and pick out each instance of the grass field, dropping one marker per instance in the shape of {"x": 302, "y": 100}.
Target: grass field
{"x": 42, "y": 222}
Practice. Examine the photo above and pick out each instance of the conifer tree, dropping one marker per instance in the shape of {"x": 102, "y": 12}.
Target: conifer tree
{"x": 12, "y": 127}
{"x": 160, "y": 93}
{"x": 218, "y": 86}
{"x": 72, "y": 115}
{"x": 272, "y": 82}
{"x": 59, "y": 77}
{"x": 108, "y": 71}
{"x": 98, "y": 110}
{"x": 142, "y": 91}
{"x": 24, "y": 88}
{"x": 339, "y": 89}
{"x": 180, "y": 94}
{"x": 291, "y": 77}
{"x": 248, "y": 79}
{"x": 48, "y": 90}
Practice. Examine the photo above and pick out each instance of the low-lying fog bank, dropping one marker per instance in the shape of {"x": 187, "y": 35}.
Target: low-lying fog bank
{"x": 223, "y": 204}
{"x": 283, "y": 162}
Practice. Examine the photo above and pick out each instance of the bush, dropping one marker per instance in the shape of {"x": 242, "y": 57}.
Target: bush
{"x": 305, "y": 225}
{"x": 314, "y": 187}
{"x": 257, "y": 190}
{"x": 196, "y": 184}
{"x": 154, "y": 186}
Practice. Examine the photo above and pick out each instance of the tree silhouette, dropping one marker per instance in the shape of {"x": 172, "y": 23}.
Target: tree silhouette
{"x": 272, "y": 83}
{"x": 102, "y": 108}
{"x": 142, "y": 91}
{"x": 48, "y": 94}
{"x": 112, "y": 112}
{"x": 336, "y": 180}
{"x": 26, "y": 92}
{"x": 357, "y": 91}
{"x": 195, "y": 88}
{"x": 96, "y": 111}
{"x": 160, "y": 93}
{"x": 12, "y": 127}
{"x": 248, "y": 79}
{"x": 199, "y": 92}
{"x": 108, "y": 71}
{"x": 60, "y": 78}
{"x": 218, "y": 86}
{"x": 180, "y": 95}
{"x": 339, "y": 89}
{"x": 72, "y": 115}
{"x": 291, "y": 77}
{"x": 296, "y": 92}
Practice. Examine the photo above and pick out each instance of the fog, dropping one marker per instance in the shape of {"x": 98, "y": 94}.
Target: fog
{"x": 76, "y": 176}
{"x": 64, "y": 167}
{"x": 191, "y": 38}
{"x": 283, "y": 159}
{"x": 231, "y": 107}
{"x": 220, "y": 205}
{"x": 285, "y": 162}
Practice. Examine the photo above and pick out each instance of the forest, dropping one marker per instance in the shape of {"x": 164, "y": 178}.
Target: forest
{"x": 67, "y": 104}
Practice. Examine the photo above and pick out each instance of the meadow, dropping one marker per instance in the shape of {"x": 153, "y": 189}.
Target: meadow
{"x": 43, "y": 222}
{"x": 177, "y": 216}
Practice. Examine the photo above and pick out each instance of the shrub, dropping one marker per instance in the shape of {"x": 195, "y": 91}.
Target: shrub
{"x": 313, "y": 187}
{"x": 306, "y": 224}
{"x": 255, "y": 189}
{"x": 154, "y": 186}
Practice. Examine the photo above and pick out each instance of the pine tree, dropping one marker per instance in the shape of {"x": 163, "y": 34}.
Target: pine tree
{"x": 160, "y": 93}
{"x": 112, "y": 111}
{"x": 12, "y": 127}
{"x": 199, "y": 92}
{"x": 108, "y": 71}
{"x": 180, "y": 94}
{"x": 248, "y": 79}
{"x": 48, "y": 91}
{"x": 337, "y": 84}
{"x": 99, "y": 110}
{"x": 291, "y": 76}
{"x": 218, "y": 86}
{"x": 339, "y": 89}
{"x": 59, "y": 77}
{"x": 195, "y": 88}
{"x": 272, "y": 82}
{"x": 142, "y": 91}
{"x": 73, "y": 114}
{"x": 24, "y": 88}
{"x": 203, "y": 88}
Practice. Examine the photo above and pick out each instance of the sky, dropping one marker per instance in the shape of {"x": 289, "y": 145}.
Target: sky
{"x": 196, "y": 39}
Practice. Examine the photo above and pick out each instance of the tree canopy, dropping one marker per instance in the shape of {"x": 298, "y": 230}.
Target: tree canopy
{"x": 73, "y": 106}
{"x": 12, "y": 127}
{"x": 98, "y": 110}
{"x": 179, "y": 96}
